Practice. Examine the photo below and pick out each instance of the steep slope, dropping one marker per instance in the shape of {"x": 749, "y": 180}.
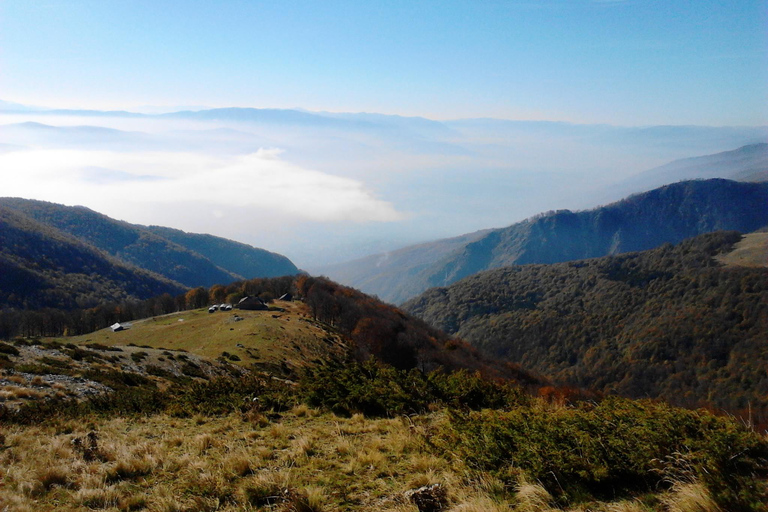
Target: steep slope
{"x": 388, "y": 334}
{"x": 142, "y": 247}
{"x": 643, "y": 221}
{"x": 43, "y": 267}
{"x": 384, "y": 274}
{"x": 670, "y": 322}
{"x": 236, "y": 257}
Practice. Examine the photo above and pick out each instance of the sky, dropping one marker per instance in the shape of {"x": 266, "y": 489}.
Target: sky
{"x": 630, "y": 62}
{"x": 325, "y": 193}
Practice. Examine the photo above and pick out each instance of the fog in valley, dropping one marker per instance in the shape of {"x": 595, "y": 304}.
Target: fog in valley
{"x": 325, "y": 188}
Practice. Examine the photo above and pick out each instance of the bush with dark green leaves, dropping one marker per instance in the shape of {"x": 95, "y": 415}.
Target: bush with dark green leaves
{"x": 224, "y": 395}
{"x": 381, "y": 390}
{"x": 368, "y": 388}
{"x": 617, "y": 447}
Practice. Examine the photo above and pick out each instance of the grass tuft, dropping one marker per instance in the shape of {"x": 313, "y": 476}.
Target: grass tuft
{"x": 54, "y": 476}
{"x": 130, "y": 469}
{"x": 262, "y": 491}
{"x": 532, "y": 498}
{"x": 690, "y": 497}
{"x": 312, "y": 499}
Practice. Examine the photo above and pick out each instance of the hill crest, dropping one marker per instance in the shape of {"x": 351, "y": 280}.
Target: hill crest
{"x": 642, "y": 221}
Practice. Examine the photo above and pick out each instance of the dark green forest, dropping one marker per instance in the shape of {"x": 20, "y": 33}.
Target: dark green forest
{"x": 41, "y": 267}
{"x": 668, "y": 323}
{"x": 186, "y": 258}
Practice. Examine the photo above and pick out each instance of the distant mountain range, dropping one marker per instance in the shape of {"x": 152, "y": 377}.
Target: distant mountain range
{"x": 173, "y": 260}
{"x": 665, "y": 215}
{"x": 670, "y": 323}
{"x": 747, "y": 163}
{"x": 444, "y": 177}
{"x": 423, "y": 133}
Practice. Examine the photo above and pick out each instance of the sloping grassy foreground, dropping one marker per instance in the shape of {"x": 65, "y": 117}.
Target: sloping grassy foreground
{"x": 302, "y": 461}
{"x": 210, "y": 446}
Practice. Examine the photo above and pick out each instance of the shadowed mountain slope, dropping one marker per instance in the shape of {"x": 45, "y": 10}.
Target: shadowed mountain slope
{"x": 236, "y": 257}
{"x": 43, "y": 267}
{"x": 140, "y": 246}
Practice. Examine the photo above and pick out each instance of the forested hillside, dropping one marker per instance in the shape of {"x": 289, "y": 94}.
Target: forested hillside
{"x": 665, "y": 215}
{"x": 192, "y": 260}
{"x": 236, "y": 257}
{"x": 42, "y": 267}
{"x": 391, "y": 336}
{"x": 671, "y": 322}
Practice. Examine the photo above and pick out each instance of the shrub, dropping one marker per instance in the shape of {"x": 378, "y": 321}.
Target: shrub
{"x": 105, "y": 348}
{"x": 159, "y": 371}
{"x": 381, "y": 390}
{"x": 8, "y": 349}
{"x": 472, "y": 391}
{"x": 368, "y": 388}
{"x": 618, "y": 446}
{"x": 223, "y": 395}
{"x": 138, "y": 357}
{"x": 193, "y": 370}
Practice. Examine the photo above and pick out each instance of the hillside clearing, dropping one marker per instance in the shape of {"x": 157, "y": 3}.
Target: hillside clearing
{"x": 751, "y": 251}
{"x": 249, "y": 337}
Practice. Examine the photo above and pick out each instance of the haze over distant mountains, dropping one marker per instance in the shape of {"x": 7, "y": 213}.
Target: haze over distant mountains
{"x": 665, "y": 215}
{"x": 327, "y": 187}
{"x": 747, "y": 163}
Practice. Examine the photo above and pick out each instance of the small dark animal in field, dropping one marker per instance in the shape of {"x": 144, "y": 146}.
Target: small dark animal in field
{"x": 88, "y": 446}
{"x": 430, "y": 498}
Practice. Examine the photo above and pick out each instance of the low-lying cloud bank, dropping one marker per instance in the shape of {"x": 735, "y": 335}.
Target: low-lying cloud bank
{"x": 260, "y": 185}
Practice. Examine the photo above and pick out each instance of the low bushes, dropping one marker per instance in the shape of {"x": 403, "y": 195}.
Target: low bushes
{"x": 376, "y": 390}
{"x": 613, "y": 448}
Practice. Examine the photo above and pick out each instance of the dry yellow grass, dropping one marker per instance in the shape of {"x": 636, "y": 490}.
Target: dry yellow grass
{"x": 303, "y": 461}
{"x": 266, "y": 337}
{"x": 689, "y": 497}
{"x": 751, "y": 251}
{"x": 163, "y": 463}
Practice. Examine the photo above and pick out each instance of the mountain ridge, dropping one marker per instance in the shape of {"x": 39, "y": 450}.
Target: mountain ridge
{"x": 172, "y": 257}
{"x": 43, "y": 267}
{"x": 668, "y": 214}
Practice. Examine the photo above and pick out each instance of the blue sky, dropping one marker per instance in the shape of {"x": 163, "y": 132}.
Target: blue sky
{"x": 633, "y": 62}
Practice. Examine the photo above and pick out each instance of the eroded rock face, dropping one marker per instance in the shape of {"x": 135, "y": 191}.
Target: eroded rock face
{"x": 430, "y": 498}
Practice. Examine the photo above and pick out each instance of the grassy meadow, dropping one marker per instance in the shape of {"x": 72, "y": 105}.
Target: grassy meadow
{"x": 310, "y": 429}
{"x": 252, "y": 336}
{"x": 751, "y": 251}
{"x": 303, "y": 460}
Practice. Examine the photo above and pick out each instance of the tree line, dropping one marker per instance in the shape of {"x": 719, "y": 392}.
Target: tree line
{"x": 46, "y": 322}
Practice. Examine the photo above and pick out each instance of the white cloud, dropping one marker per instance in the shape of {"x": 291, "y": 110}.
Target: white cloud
{"x": 129, "y": 185}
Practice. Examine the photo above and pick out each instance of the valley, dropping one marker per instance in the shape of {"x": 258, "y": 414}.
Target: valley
{"x": 495, "y": 256}
{"x": 600, "y": 360}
